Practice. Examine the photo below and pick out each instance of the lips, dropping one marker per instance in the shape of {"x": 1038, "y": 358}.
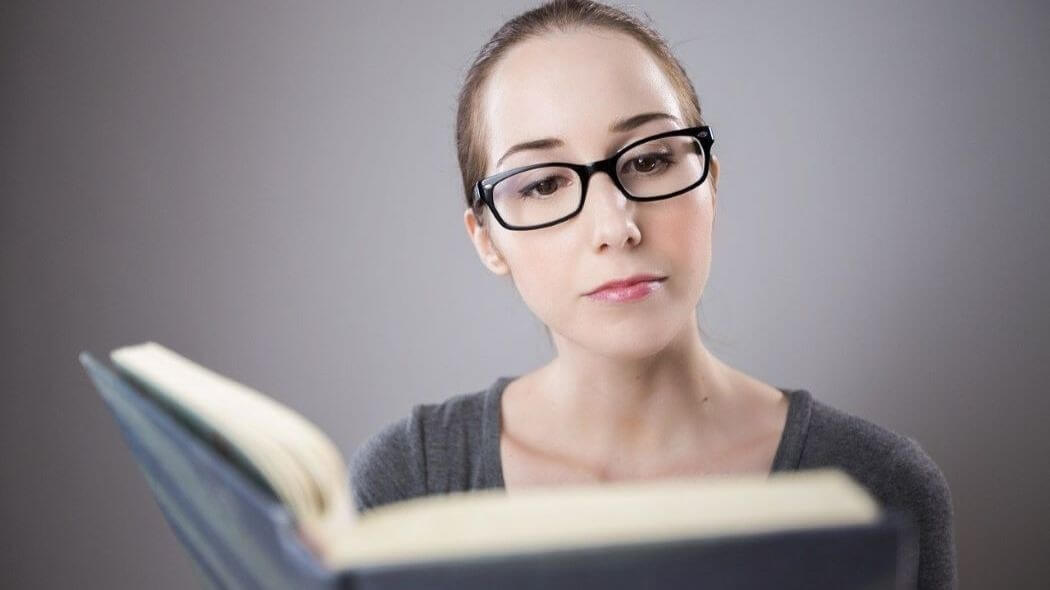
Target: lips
{"x": 641, "y": 278}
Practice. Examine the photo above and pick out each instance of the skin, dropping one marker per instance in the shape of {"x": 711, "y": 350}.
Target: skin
{"x": 632, "y": 392}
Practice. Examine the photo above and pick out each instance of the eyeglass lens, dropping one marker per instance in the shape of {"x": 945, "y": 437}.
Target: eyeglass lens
{"x": 652, "y": 169}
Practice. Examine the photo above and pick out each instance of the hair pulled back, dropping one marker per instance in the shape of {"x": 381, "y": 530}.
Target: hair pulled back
{"x": 554, "y": 16}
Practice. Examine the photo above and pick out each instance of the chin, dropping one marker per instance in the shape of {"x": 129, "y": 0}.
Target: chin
{"x": 628, "y": 340}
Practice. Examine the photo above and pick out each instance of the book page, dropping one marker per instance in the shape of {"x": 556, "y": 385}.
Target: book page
{"x": 492, "y": 522}
{"x": 296, "y": 458}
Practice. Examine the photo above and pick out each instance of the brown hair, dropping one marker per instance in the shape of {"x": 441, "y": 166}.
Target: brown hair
{"x": 557, "y": 15}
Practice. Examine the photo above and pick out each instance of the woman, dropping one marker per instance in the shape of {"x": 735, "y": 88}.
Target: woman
{"x": 632, "y": 392}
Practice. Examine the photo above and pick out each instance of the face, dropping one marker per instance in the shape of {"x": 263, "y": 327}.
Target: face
{"x": 572, "y": 87}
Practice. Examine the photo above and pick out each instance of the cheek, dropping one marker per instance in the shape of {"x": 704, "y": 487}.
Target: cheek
{"x": 682, "y": 231}
{"x": 544, "y": 276}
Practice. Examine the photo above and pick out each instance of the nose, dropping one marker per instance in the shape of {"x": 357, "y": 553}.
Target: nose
{"x": 611, "y": 214}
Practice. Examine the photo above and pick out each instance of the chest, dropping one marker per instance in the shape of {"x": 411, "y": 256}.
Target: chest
{"x": 525, "y": 465}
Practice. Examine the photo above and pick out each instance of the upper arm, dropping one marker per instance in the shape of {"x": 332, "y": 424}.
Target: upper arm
{"x": 390, "y": 465}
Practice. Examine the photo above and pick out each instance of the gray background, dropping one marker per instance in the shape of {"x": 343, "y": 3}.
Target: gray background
{"x": 271, "y": 189}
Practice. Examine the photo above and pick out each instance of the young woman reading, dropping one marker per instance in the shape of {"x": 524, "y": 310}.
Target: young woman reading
{"x": 591, "y": 183}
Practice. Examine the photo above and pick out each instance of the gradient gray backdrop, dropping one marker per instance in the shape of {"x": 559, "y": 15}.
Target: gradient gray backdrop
{"x": 271, "y": 189}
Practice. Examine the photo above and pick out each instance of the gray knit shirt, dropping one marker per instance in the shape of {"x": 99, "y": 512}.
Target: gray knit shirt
{"x": 454, "y": 446}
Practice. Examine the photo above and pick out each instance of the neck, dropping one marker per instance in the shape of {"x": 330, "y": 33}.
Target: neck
{"x": 623, "y": 406}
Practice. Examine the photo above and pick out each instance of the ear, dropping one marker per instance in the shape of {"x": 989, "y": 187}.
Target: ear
{"x": 490, "y": 255}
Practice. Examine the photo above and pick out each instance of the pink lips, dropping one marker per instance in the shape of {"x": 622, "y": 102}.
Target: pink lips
{"x": 631, "y": 289}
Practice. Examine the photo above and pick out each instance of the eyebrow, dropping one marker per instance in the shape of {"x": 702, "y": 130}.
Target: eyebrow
{"x": 618, "y": 126}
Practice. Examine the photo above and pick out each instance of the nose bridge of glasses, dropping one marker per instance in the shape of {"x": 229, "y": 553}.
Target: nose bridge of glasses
{"x": 599, "y": 189}
{"x": 608, "y": 166}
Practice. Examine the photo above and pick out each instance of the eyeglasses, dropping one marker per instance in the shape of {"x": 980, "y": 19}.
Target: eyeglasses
{"x": 541, "y": 195}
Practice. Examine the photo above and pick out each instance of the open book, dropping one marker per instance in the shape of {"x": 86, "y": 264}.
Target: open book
{"x": 287, "y": 458}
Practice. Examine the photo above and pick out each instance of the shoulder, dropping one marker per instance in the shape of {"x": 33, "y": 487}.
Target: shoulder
{"x": 892, "y": 461}
{"x": 411, "y": 456}
{"x": 899, "y": 472}
{"x": 390, "y": 465}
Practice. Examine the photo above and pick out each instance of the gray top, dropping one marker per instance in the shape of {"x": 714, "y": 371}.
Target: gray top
{"x": 455, "y": 446}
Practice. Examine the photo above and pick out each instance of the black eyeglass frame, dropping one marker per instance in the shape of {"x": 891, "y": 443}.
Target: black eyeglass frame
{"x": 483, "y": 188}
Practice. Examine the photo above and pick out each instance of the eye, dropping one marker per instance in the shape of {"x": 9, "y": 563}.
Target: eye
{"x": 648, "y": 163}
{"x": 545, "y": 187}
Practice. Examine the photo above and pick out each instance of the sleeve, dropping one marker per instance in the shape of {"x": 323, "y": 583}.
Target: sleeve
{"x": 925, "y": 494}
{"x": 390, "y": 466}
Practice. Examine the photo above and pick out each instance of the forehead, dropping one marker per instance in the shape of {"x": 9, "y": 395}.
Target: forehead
{"x": 571, "y": 85}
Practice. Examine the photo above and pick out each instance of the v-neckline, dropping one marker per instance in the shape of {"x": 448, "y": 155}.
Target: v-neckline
{"x": 787, "y": 457}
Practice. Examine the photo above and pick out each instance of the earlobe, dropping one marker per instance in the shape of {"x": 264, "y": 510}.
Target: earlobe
{"x": 487, "y": 250}
{"x": 494, "y": 259}
{"x": 497, "y": 265}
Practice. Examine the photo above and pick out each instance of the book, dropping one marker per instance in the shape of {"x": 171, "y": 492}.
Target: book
{"x": 260, "y": 497}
